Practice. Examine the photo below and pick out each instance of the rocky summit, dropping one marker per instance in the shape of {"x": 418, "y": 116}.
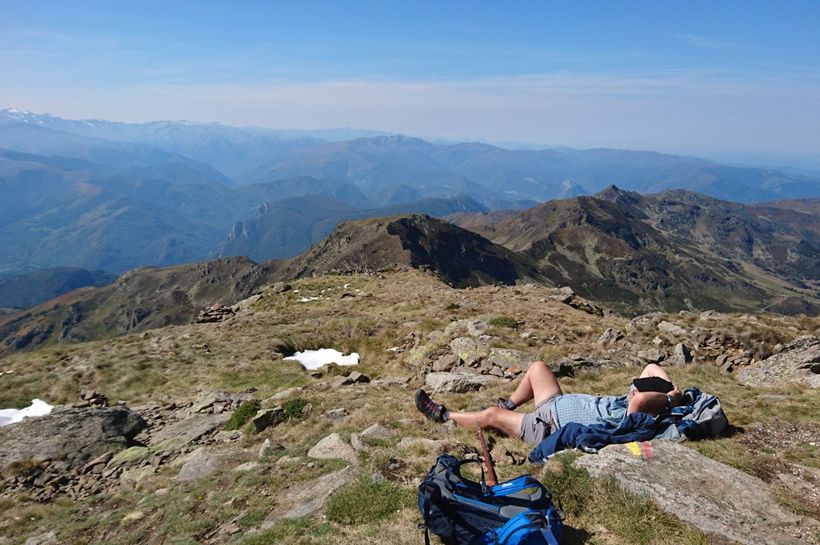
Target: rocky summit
{"x": 202, "y": 431}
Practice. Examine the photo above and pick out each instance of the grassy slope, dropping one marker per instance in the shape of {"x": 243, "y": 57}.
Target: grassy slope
{"x": 237, "y": 354}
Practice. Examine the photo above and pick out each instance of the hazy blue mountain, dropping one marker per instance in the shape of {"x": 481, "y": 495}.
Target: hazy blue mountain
{"x": 74, "y": 212}
{"x": 391, "y": 168}
{"x": 57, "y": 211}
{"x": 114, "y": 196}
{"x": 110, "y": 157}
{"x": 32, "y": 288}
{"x": 285, "y": 228}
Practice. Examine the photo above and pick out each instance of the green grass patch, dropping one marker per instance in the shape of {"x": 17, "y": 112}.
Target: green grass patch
{"x": 300, "y": 530}
{"x": 504, "y": 321}
{"x": 364, "y": 501}
{"x": 293, "y": 408}
{"x": 130, "y": 455}
{"x": 243, "y": 414}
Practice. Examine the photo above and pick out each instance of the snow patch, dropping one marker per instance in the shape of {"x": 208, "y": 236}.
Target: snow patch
{"x": 308, "y": 299}
{"x": 38, "y": 407}
{"x": 313, "y": 359}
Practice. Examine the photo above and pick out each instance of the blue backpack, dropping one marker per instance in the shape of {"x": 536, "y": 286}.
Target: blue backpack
{"x": 464, "y": 512}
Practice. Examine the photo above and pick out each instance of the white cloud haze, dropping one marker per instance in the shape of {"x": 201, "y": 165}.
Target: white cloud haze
{"x": 675, "y": 111}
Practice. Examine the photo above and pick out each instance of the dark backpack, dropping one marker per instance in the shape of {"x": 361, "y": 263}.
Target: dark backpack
{"x": 702, "y": 418}
{"x": 464, "y": 512}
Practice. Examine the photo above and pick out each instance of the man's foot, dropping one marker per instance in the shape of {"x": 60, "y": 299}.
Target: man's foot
{"x": 429, "y": 408}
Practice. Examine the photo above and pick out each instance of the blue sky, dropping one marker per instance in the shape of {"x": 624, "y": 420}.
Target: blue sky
{"x": 733, "y": 80}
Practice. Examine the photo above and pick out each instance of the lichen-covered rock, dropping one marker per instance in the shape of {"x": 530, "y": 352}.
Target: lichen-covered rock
{"x": 798, "y": 362}
{"x": 456, "y": 382}
{"x": 507, "y": 358}
{"x": 681, "y": 355}
{"x": 75, "y": 435}
{"x": 468, "y": 349}
{"x": 716, "y": 498}
{"x": 472, "y": 328}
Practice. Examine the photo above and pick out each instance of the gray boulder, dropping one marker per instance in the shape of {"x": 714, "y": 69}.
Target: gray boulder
{"x": 305, "y": 498}
{"x": 267, "y": 418}
{"x": 718, "y": 499}
{"x": 672, "y": 329}
{"x": 203, "y": 462}
{"x": 472, "y": 328}
{"x": 798, "y": 362}
{"x": 200, "y": 464}
{"x": 651, "y": 355}
{"x": 187, "y": 431}
{"x": 376, "y": 432}
{"x": 610, "y": 336}
{"x": 333, "y": 446}
{"x": 446, "y": 363}
{"x": 48, "y": 538}
{"x": 75, "y": 436}
{"x": 681, "y": 355}
{"x": 457, "y": 382}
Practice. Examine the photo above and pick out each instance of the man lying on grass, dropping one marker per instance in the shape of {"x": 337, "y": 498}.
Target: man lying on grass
{"x": 555, "y": 409}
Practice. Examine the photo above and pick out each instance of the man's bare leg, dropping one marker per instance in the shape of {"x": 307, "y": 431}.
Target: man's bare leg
{"x": 506, "y": 422}
{"x": 655, "y": 370}
{"x": 538, "y": 384}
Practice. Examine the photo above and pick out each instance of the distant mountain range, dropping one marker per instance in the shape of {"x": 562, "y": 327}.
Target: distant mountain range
{"x": 110, "y": 196}
{"x": 674, "y": 250}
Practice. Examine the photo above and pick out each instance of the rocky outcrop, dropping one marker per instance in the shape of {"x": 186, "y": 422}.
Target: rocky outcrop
{"x": 567, "y": 296}
{"x": 214, "y": 313}
{"x": 799, "y": 362}
{"x": 65, "y": 452}
{"x": 716, "y": 498}
{"x": 73, "y": 436}
{"x": 464, "y": 348}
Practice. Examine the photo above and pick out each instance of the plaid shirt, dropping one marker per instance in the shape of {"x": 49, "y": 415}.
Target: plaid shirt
{"x": 587, "y": 409}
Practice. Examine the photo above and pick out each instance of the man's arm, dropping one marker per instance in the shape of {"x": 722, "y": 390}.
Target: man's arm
{"x": 655, "y": 370}
{"x": 653, "y": 403}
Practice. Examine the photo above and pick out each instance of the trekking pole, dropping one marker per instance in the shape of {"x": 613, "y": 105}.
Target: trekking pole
{"x": 488, "y": 459}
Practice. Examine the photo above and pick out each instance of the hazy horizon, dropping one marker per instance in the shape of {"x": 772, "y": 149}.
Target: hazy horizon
{"x": 735, "y": 81}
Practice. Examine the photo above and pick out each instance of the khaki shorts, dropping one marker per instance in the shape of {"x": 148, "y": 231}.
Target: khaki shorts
{"x": 538, "y": 424}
